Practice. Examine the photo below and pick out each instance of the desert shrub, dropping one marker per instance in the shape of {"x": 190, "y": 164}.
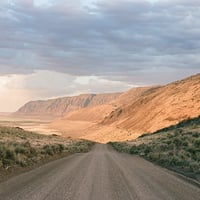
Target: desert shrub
{"x": 141, "y": 147}
{"x": 178, "y": 142}
{"x": 79, "y": 148}
{"x": 7, "y": 163}
{"x": 154, "y": 156}
{"x": 163, "y": 159}
{"x": 133, "y": 150}
{"x": 20, "y": 150}
{"x": 10, "y": 154}
{"x": 26, "y": 151}
{"x": 171, "y": 146}
{"x": 170, "y": 136}
{"x": 195, "y": 134}
{"x": 185, "y": 143}
{"x": 197, "y": 143}
{"x": 194, "y": 167}
{"x": 1, "y": 164}
{"x": 48, "y": 150}
{"x": 2, "y": 152}
{"x": 27, "y": 144}
{"x": 176, "y": 161}
{"x": 147, "y": 149}
{"x": 163, "y": 147}
{"x": 177, "y": 132}
{"x": 121, "y": 147}
{"x": 7, "y": 157}
{"x": 183, "y": 155}
{"x": 191, "y": 150}
{"x": 23, "y": 163}
{"x": 55, "y": 149}
{"x": 33, "y": 151}
{"x": 168, "y": 142}
{"x": 198, "y": 157}
{"x": 61, "y": 147}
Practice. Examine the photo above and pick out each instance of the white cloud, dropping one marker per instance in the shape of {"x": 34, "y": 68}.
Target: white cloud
{"x": 3, "y": 82}
{"x": 16, "y": 90}
{"x": 153, "y": 1}
{"x": 12, "y": 93}
{"x": 44, "y": 3}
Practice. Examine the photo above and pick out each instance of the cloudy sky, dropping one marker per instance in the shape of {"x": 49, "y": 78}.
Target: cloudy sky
{"x": 51, "y": 48}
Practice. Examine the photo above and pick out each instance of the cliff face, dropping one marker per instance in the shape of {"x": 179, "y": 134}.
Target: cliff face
{"x": 60, "y": 106}
{"x": 158, "y": 107}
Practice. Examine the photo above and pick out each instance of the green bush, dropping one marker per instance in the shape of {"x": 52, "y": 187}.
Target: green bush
{"x": 197, "y": 143}
{"x": 133, "y": 150}
{"x": 147, "y": 149}
{"x": 196, "y": 134}
{"x": 178, "y": 142}
{"x": 195, "y": 167}
{"x": 61, "y": 147}
{"x": 2, "y": 152}
{"x": 154, "y": 156}
{"x": 33, "y": 152}
{"x": 7, "y": 162}
{"x": 20, "y": 150}
{"x": 176, "y": 161}
{"x": 192, "y": 150}
{"x": 48, "y": 150}
{"x": 10, "y": 155}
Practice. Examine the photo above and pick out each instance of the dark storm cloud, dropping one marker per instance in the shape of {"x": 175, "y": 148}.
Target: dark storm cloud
{"x": 115, "y": 38}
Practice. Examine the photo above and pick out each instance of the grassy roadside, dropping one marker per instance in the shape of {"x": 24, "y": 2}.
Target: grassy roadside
{"x": 21, "y": 150}
{"x": 175, "y": 147}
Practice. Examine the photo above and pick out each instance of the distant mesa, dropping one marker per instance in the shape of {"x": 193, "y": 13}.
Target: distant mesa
{"x": 61, "y": 106}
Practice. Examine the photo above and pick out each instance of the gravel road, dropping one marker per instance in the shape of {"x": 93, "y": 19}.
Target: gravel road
{"x": 102, "y": 174}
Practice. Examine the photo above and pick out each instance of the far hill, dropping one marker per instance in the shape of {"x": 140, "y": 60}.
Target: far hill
{"x": 60, "y": 106}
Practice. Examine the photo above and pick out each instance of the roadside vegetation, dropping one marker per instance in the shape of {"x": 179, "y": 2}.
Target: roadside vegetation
{"x": 20, "y": 149}
{"x": 176, "y": 147}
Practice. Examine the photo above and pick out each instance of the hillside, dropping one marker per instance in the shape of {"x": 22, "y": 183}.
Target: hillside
{"x": 131, "y": 95}
{"x": 92, "y": 113}
{"x": 60, "y": 106}
{"x": 159, "y": 107}
{"x": 85, "y": 122}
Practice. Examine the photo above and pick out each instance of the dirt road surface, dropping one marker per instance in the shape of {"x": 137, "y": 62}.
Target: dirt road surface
{"x": 102, "y": 174}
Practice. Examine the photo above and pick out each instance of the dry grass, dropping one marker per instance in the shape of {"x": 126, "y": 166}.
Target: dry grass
{"x": 19, "y": 148}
